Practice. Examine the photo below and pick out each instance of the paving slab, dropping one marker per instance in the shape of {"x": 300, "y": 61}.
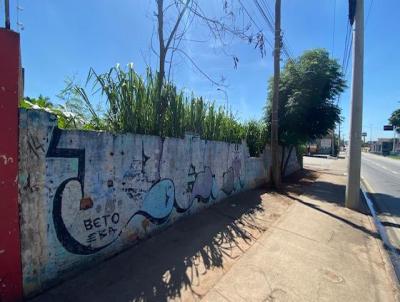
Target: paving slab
{"x": 319, "y": 251}
{"x": 299, "y": 244}
{"x": 183, "y": 262}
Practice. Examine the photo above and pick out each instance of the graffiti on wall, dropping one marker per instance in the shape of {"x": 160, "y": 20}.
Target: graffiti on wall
{"x": 233, "y": 178}
{"x": 85, "y": 225}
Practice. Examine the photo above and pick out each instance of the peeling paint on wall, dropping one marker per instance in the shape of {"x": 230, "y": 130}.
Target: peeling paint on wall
{"x": 89, "y": 195}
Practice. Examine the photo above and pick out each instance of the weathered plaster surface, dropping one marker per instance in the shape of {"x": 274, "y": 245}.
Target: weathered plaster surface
{"x": 87, "y": 195}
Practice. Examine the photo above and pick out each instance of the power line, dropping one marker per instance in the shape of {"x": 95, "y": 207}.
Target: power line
{"x": 249, "y": 15}
{"x": 369, "y": 11}
{"x": 254, "y": 22}
{"x": 265, "y": 12}
{"x": 349, "y": 53}
{"x": 347, "y": 49}
{"x": 285, "y": 42}
{"x": 268, "y": 10}
{"x": 345, "y": 46}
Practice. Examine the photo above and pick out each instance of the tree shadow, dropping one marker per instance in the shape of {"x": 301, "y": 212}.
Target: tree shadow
{"x": 387, "y": 246}
{"x": 321, "y": 190}
{"x": 300, "y": 183}
{"x": 344, "y": 220}
{"x": 160, "y": 268}
{"x": 335, "y": 194}
{"x": 390, "y": 224}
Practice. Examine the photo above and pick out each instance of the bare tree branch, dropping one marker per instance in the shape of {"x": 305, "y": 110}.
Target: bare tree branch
{"x": 214, "y": 82}
{"x": 222, "y": 29}
{"x": 178, "y": 21}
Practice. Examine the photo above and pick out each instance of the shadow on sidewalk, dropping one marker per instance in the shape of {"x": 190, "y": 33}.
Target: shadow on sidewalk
{"x": 344, "y": 220}
{"x": 306, "y": 183}
{"x": 299, "y": 183}
{"x": 321, "y": 190}
{"x": 176, "y": 260}
{"x": 390, "y": 224}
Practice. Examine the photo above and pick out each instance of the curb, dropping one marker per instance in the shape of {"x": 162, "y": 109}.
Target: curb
{"x": 388, "y": 251}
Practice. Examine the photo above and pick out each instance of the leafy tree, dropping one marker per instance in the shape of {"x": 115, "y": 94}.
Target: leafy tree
{"x": 41, "y": 102}
{"x": 71, "y": 114}
{"x": 395, "y": 119}
{"x": 256, "y": 137}
{"x": 308, "y": 88}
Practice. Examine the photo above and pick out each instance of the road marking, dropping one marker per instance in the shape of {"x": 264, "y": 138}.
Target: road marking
{"x": 367, "y": 185}
{"x": 381, "y": 166}
{"x": 381, "y": 229}
{"x": 389, "y": 218}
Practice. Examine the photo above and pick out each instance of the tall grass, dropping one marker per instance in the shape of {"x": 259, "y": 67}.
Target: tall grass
{"x": 132, "y": 106}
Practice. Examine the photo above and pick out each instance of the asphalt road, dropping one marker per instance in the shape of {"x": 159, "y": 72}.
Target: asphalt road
{"x": 382, "y": 178}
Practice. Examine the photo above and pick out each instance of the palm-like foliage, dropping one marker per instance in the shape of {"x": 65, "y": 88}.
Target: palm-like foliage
{"x": 132, "y": 106}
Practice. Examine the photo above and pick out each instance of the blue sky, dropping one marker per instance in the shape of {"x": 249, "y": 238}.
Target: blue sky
{"x": 64, "y": 39}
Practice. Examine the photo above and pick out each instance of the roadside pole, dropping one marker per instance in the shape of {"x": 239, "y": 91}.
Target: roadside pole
{"x": 10, "y": 244}
{"x": 7, "y": 13}
{"x": 339, "y": 140}
{"x": 276, "y": 173}
{"x": 354, "y": 163}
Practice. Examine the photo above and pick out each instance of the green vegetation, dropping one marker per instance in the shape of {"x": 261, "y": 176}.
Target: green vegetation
{"x": 131, "y": 105}
{"x": 68, "y": 115}
{"x": 308, "y": 88}
{"x": 256, "y": 137}
{"x": 395, "y": 119}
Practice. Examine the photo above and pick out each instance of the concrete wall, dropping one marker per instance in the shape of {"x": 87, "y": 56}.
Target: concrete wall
{"x": 87, "y": 195}
{"x": 293, "y": 164}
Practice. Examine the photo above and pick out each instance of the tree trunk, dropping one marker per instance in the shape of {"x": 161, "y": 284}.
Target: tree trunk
{"x": 276, "y": 172}
{"x": 161, "y": 67}
{"x": 287, "y": 160}
{"x": 164, "y": 46}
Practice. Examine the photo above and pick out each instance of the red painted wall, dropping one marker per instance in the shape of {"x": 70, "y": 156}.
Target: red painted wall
{"x": 10, "y": 251}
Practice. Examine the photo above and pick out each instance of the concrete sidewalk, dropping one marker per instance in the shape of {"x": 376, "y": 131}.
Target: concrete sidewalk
{"x": 318, "y": 251}
{"x": 300, "y": 245}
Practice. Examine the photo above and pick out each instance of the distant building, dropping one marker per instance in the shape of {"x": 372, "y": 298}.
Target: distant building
{"x": 383, "y": 146}
{"x": 322, "y": 146}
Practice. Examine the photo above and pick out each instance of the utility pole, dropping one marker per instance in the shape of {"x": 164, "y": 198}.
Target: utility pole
{"x": 339, "y": 139}
{"x": 370, "y": 133}
{"x": 276, "y": 170}
{"x": 7, "y": 14}
{"x": 354, "y": 161}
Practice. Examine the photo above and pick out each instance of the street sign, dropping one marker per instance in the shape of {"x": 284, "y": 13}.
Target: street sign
{"x": 326, "y": 143}
{"x": 364, "y": 134}
{"x": 388, "y": 128}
